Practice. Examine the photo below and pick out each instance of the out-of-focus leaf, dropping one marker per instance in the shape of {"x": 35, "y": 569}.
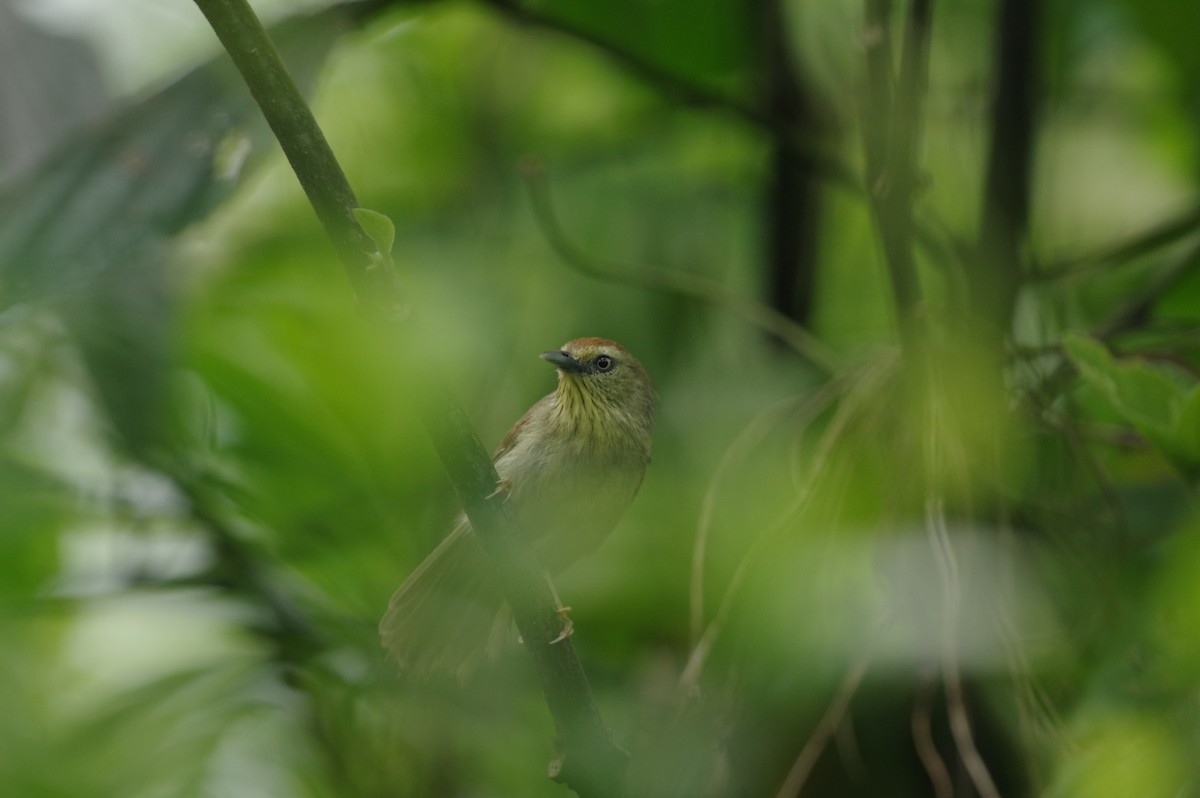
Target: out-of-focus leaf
{"x": 1160, "y": 20}
{"x": 124, "y": 327}
{"x": 1141, "y": 393}
{"x": 34, "y": 506}
{"x": 705, "y": 42}
{"x": 86, "y": 229}
{"x": 1145, "y": 396}
{"x": 1124, "y": 752}
{"x": 142, "y": 174}
{"x": 1188, "y": 425}
{"x": 48, "y": 85}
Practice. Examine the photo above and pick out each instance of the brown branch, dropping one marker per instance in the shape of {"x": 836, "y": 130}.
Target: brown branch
{"x": 587, "y": 760}
{"x": 956, "y": 708}
{"x": 922, "y": 732}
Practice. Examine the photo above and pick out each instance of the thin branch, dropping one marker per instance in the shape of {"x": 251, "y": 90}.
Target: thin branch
{"x": 868, "y": 382}
{"x": 956, "y": 708}
{"x": 747, "y": 439}
{"x": 947, "y": 461}
{"x": 807, "y": 759}
{"x": 892, "y": 127}
{"x": 877, "y": 112}
{"x": 588, "y": 760}
{"x": 1144, "y": 243}
{"x": 820, "y": 151}
{"x": 828, "y": 162}
{"x": 1137, "y": 308}
{"x": 692, "y": 285}
{"x": 922, "y": 732}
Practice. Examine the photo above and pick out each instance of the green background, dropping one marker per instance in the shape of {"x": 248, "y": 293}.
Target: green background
{"x": 212, "y": 473}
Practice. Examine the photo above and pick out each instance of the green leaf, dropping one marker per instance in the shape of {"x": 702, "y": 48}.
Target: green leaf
{"x": 706, "y": 43}
{"x": 115, "y": 191}
{"x": 1188, "y": 426}
{"x": 1146, "y": 397}
{"x": 88, "y": 228}
{"x": 378, "y": 227}
{"x": 35, "y": 508}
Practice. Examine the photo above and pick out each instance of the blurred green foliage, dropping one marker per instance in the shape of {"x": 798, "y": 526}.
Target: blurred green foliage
{"x": 212, "y": 474}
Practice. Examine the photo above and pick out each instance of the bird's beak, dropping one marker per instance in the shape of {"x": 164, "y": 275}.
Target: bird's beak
{"x": 563, "y": 361}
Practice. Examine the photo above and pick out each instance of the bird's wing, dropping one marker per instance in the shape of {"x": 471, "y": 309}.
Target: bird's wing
{"x": 511, "y": 438}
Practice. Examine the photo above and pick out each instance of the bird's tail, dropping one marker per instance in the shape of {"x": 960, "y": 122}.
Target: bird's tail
{"x": 444, "y": 617}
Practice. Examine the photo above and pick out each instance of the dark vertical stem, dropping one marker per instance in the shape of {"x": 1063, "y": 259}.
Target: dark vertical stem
{"x": 792, "y": 196}
{"x": 999, "y": 268}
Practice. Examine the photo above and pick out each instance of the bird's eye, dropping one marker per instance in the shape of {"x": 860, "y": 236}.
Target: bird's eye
{"x": 605, "y": 363}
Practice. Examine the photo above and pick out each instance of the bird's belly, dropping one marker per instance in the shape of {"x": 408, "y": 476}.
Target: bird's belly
{"x": 568, "y": 511}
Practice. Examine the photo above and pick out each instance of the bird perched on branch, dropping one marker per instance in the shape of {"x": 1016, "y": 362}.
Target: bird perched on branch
{"x": 570, "y": 467}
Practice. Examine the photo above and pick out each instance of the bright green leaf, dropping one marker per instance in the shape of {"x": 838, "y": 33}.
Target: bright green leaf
{"x": 378, "y": 227}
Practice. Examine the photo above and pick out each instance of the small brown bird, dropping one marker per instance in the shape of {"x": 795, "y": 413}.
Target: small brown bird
{"x": 570, "y": 466}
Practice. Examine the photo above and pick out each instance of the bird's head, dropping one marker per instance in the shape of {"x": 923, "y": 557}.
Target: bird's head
{"x": 601, "y": 383}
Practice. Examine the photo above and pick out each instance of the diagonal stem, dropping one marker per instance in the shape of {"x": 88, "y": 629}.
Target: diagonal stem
{"x": 588, "y": 760}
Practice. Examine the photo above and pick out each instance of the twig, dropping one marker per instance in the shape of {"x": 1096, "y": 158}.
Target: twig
{"x": 877, "y": 110}
{"x": 588, "y": 760}
{"x": 753, "y": 311}
{"x": 867, "y": 382}
{"x": 1148, "y": 241}
{"x": 811, "y": 752}
{"x": 827, "y": 162}
{"x": 748, "y": 438}
{"x": 938, "y": 449}
{"x": 1137, "y": 308}
{"x": 818, "y": 150}
{"x": 956, "y": 708}
{"x": 922, "y": 732}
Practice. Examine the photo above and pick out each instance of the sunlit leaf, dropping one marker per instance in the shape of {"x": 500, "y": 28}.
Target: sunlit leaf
{"x": 378, "y": 227}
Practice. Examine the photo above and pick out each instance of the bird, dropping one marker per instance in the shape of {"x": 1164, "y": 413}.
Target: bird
{"x": 570, "y": 466}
